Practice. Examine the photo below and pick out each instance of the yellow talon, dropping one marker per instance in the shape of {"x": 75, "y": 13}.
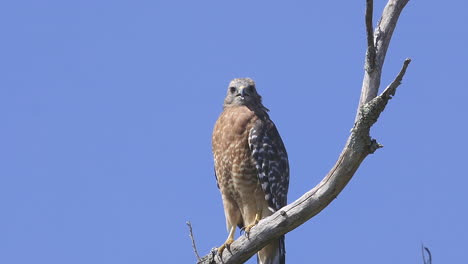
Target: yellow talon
{"x": 228, "y": 242}
{"x": 247, "y": 228}
{"x": 225, "y": 245}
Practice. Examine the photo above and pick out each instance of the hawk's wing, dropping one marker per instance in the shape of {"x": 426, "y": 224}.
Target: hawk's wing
{"x": 271, "y": 162}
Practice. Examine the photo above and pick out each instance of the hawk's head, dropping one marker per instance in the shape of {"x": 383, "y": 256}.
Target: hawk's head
{"x": 241, "y": 91}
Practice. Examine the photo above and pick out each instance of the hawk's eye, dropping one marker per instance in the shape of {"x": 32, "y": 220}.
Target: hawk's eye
{"x": 232, "y": 89}
{"x": 250, "y": 88}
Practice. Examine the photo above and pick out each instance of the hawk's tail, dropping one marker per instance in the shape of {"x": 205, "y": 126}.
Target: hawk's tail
{"x": 273, "y": 253}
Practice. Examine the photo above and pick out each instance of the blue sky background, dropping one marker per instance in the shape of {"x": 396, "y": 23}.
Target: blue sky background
{"x": 107, "y": 109}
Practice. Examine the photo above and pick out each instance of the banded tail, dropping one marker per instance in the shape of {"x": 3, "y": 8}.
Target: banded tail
{"x": 273, "y": 253}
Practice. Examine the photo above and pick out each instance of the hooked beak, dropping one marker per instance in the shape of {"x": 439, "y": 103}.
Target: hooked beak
{"x": 243, "y": 93}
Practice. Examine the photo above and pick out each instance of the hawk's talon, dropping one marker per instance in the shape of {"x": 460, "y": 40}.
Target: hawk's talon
{"x": 246, "y": 229}
{"x": 226, "y": 245}
{"x": 228, "y": 242}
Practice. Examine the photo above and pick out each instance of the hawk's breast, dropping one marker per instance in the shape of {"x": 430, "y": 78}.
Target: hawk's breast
{"x": 235, "y": 169}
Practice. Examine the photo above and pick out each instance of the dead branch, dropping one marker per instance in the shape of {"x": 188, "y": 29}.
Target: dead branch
{"x": 370, "y": 55}
{"x": 194, "y": 246}
{"x": 425, "y": 250}
{"x": 381, "y": 39}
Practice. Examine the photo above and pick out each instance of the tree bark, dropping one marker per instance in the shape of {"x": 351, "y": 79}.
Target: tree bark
{"x": 377, "y": 49}
{"x": 358, "y": 146}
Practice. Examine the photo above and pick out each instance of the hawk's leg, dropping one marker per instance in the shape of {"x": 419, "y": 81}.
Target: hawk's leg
{"x": 246, "y": 229}
{"x": 228, "y": 241}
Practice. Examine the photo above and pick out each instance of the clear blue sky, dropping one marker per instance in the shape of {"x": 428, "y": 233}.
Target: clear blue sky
{"x": 107, "y": 109}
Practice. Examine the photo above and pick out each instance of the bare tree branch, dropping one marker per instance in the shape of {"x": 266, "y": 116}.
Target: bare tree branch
{"x": 390, "y": 90}
{"x": 382, "y": 36}
{"x": 423, "y": 251}
{"x": 193, "y": 240}
{"x": 357, "y": 147}
{"x": 370, "y": 56}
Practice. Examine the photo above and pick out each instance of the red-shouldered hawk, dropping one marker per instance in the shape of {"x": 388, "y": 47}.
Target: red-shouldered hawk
{"x": 251, "y": 165}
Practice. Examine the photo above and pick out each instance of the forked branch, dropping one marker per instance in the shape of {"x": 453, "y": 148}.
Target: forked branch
{"x": 381, "y": 39}
{"x": 370, "y": 55}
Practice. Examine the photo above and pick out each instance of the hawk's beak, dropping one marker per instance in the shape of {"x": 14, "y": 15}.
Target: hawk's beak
{"x": 243, "y": 93}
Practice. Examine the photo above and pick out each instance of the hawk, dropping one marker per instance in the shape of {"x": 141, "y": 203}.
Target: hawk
{"x": 251, "y": 165}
